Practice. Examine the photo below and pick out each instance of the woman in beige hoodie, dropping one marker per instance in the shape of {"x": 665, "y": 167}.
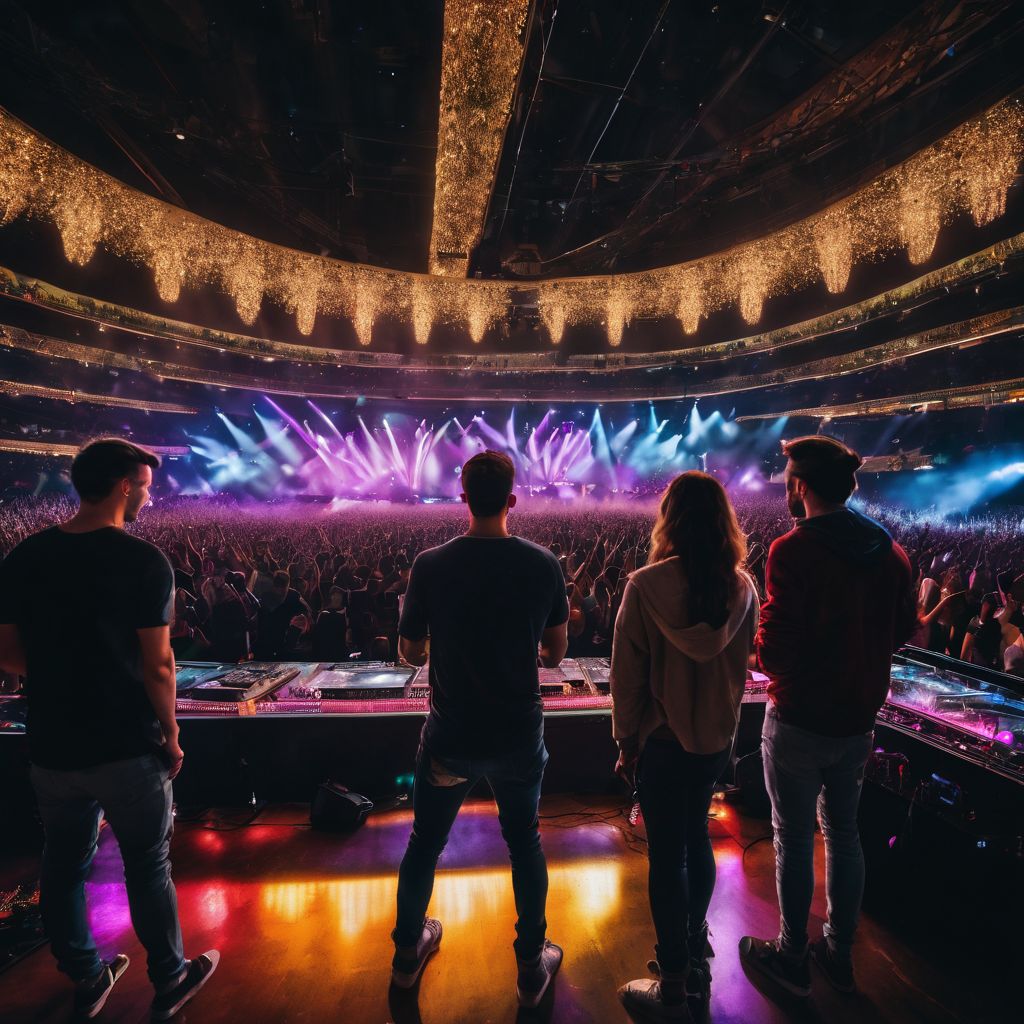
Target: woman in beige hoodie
{"x": 682, "y": 638}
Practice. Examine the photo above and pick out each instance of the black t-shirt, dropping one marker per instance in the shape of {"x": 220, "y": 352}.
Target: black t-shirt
{"x": 485, "y": 603}
{"x": 329, "y": 635}
{"x": 77, "y": 600}
{"x": 987, "y": 637}
{"x": 274, "y": 624}
{"x": 228, "y": 627}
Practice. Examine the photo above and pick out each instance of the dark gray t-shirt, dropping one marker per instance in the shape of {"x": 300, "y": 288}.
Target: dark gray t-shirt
{"x": 77, "y": 600}
{"x": 485, "y": 603}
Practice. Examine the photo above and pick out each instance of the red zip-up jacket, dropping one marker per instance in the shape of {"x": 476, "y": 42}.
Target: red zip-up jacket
{"x": 840, "y": 601}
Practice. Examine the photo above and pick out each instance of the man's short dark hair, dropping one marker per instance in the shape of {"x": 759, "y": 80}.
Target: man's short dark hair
{"x": 826, "y": 465}
{"x": 487, "y": 479}
{"x": 101, "y": 464}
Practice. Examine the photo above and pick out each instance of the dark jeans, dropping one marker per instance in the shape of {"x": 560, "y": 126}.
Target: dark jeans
{"x": 438, "y": 793}
{"x": 135, "y": 797}
{"x": 675, "y": 789}
{"x": 808, "y": 774}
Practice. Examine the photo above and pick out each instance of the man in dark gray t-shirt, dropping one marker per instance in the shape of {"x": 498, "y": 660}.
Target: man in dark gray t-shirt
{"x": 491, "y": 604}
{"x": 486, "y": 603}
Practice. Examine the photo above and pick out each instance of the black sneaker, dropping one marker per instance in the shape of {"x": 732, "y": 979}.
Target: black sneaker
{"x": 197, "y": 973}
{"x": 90, "y": 996}
{"x": 838, "y": 973}
{"x": 698, "y": 988}
{"x": 407, "y": 966}
{"x": 700, "y": 944}
{"x": 698, "y": 980}
{"x": 535, "y": 975}
{"x": 764, "y": 955}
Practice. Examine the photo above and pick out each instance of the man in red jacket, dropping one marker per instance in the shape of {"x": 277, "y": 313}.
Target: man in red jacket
{"x": 840, "y": 600}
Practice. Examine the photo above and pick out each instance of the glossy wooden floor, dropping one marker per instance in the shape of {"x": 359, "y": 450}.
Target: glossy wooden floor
{"x": 302, "y": 921}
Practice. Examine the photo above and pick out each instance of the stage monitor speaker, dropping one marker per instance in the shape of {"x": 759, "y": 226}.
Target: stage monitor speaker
{"x": 337, "y": 809}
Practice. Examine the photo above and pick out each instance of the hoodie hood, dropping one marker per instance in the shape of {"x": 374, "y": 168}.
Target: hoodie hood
{"x": 852, "y": 535}
{"x": 663, "y": 591}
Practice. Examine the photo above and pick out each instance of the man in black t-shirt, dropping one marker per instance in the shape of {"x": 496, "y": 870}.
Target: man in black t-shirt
{"x": 281, "y": 606}
{"x": 84, "y": 616}
{"x": 490, "y": 603}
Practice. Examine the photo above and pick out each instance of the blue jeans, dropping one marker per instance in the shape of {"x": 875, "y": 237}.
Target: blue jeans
{"x": 135, "y": 798}
{"x": 675, "y": 789}
{"x": 438, "y": 792}
{"x": 807, "y": 773}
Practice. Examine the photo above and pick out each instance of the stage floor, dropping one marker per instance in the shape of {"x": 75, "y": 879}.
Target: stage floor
{"x": 302, "y": 921}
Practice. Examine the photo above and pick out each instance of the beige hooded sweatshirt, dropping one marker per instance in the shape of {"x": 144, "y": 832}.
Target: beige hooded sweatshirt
{"x": 667, "y": 671}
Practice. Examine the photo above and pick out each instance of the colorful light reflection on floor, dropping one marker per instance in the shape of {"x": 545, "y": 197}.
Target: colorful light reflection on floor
{"x": 303, "y": 922}
{"x": 591, "y": 889}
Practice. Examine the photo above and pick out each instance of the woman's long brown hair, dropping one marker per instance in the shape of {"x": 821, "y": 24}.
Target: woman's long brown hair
{"x": 696, "y": 522}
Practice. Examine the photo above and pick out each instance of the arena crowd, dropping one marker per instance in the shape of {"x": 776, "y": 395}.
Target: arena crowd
{"x": 292, "y": 580}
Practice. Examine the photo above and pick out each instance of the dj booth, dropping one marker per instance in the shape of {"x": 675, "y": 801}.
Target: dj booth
{"x": 950, "y": 735}
{"x": 275, "y": 732}
{"x": 942, "y": 808}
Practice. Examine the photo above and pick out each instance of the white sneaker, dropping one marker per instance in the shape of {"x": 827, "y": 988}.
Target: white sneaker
{"x": 642, "y": 999}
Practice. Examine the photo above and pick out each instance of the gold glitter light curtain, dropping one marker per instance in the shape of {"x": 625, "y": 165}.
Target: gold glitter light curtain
{"x": 969, "y": 171}
{"x": 480, "y": 61}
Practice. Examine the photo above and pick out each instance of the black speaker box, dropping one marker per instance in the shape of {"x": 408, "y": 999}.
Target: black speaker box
{"x": 336, "y": 809}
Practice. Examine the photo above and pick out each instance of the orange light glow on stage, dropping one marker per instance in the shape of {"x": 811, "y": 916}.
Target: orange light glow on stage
{"x": 587, "y": 891}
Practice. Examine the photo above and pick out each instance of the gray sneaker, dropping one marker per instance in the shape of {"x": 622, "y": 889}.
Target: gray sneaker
{"x": 646, "y": 998}
{"x": 408, "y": 964}
{"x": 535, "y": 975}
{"x": 197, "y": 974}
{"x": 90, "y": 996}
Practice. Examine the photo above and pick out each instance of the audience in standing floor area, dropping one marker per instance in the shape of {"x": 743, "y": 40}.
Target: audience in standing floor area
{"x": 366, "y": 554}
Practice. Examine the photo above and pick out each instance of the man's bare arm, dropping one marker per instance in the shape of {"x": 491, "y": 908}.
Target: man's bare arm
{"x": 554, "y": 642}
{"x": 158, "y": 672}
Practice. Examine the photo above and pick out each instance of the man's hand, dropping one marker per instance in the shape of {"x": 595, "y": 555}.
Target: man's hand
{"x": 412, "y": 652}
{"x": 175, "y": 755}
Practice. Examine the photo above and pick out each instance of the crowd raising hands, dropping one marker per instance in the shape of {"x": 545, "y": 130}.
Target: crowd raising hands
{"x": 297, "y": 580}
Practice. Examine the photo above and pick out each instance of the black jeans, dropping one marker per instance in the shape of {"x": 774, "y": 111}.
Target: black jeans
{"x": 675, "y": 789}
{"x": 438, "y": 793}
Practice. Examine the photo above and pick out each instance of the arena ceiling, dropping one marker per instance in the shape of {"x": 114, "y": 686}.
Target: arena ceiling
{"x": 641, "y": 134}
{"x": 638, "y": 136}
